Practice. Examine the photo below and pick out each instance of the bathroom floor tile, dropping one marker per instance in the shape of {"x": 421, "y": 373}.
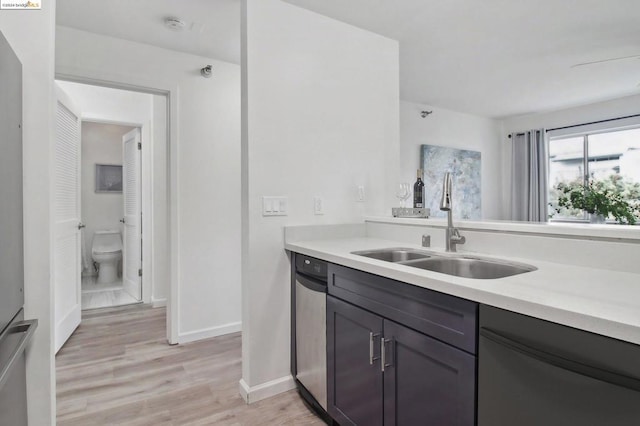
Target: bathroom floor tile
{"x": 96, "y": 295}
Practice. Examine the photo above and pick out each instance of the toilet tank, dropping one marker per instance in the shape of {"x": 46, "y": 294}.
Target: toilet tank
{"x": 106, "y": 242}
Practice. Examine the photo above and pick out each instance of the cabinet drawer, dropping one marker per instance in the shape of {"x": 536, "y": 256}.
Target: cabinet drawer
{"x": 447, "y": 318}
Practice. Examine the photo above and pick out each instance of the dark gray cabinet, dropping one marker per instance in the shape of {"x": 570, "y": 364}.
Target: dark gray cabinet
{"x": 426, "y": 382}
{"x": 354, "y": 386}
{"x": 381, "y": 371}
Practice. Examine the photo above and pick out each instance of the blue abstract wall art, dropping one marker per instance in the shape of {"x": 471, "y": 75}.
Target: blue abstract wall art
{"x": 464, "y": 166}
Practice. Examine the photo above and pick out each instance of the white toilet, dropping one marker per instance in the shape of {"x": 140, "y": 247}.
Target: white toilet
{"x": 106, "y": 250}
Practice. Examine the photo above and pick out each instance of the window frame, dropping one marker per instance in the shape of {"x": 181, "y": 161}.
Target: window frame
{"x": 585, "y": 160}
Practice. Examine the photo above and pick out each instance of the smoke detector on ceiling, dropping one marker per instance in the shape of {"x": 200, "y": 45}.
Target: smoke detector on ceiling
{"x": 174, "y": 24}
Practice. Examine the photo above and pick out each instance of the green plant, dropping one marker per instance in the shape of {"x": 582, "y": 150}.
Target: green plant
{"x": 608, "y": 197}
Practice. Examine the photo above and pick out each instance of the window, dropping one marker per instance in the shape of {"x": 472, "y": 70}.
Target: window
{"x": 610, "y": 158}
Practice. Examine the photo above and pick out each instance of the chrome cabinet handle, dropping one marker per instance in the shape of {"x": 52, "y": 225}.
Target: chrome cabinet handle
{"x": 372, "y": 358}
{"x": 383, "y": 353}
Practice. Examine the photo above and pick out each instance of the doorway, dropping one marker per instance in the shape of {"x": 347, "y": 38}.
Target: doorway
{"x": 122, "y": 246}
{"x": 110, "y": 205}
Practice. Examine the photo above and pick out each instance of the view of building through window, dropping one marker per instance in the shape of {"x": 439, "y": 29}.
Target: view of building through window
{"x": 612, "y": 158}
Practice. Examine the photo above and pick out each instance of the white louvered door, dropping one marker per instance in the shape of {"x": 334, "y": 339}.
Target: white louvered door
{"x": 131, "y": 184}
{"x": 67, "y": 246}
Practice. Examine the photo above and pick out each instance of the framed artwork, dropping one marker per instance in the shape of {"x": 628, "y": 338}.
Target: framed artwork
{"x": 108, "y": 178}
{"x": 464, "y": 166}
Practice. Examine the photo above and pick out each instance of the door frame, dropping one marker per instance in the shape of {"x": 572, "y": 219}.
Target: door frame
{"x": 170, "y": 91}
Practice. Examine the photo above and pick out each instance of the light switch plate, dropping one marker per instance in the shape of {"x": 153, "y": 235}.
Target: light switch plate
{"x": 360, "y": 196}
{"x": 275, "y": 206}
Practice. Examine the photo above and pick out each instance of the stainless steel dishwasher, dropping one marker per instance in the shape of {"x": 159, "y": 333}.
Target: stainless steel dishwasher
{"x": 309, "y": 330}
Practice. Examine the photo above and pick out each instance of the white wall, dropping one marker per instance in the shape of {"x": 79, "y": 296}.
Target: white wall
{"x": 206, "y": 149}
{"x": 101, "y": 144}
{"x": 615, "y": 108}
{"x": 320, "y": 116}
{"x": 456, "y": 130}
{"x": 31, "y": 34}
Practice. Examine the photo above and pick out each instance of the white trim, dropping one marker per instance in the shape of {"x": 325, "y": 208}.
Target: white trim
{"x": 158, "y": 303}
{"x": 66, "y": 326}
{"x": 91, "y": 118}
{"x": 147, "y": 210}
{"x": 252, "y": 394}
{"x": 207, "y": 333}
{"x": 173, "y": 201}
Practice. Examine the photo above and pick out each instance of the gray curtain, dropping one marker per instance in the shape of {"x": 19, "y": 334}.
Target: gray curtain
{"x": 529, "y": 176}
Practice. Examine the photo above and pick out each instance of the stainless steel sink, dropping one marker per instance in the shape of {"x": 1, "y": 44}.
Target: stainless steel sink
{"x": 470, "y": 267}
{"x": 458, "y": 265}
{"x": 394, "y": 254}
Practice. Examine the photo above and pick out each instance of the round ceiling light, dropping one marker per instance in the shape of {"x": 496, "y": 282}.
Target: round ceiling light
{"x": 174, "y": 24}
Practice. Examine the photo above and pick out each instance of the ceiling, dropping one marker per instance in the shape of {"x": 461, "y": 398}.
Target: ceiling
{"x": 501, "y": 58}
{"x": 212, "y": 26}
{"x": 493, "y": 58}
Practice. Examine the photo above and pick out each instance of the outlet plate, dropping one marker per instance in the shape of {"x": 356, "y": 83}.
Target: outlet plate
{"x": 318, "y": 205}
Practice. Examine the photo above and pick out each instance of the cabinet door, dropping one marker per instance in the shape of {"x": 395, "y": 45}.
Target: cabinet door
{"x": 354, "y": 382}
{"x": 426, "y": 382}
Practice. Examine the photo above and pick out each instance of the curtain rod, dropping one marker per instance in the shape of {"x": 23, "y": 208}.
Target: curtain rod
{"x": 586, "y": 124}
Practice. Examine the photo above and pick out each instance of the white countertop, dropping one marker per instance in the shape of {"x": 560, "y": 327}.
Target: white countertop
{"x": 596, "y": 300}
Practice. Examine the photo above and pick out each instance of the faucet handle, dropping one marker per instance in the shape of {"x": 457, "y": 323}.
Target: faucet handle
{"x": 426, "y": 240}
{"x": 456, "y": 237}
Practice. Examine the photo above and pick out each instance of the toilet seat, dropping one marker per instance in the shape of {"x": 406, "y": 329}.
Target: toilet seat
{"x": 105, "y": 242}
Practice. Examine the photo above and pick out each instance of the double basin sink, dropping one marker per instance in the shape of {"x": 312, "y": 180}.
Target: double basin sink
{"x": 449, "y": 263}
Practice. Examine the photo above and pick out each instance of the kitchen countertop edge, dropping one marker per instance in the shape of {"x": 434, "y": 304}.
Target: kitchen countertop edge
{"x": 554, "y": 292}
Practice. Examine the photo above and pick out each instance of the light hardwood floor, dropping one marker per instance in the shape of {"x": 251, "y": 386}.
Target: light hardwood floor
{"x": 117, "y": 369}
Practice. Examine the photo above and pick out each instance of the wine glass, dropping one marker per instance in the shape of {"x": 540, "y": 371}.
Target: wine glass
{"x": 402, "y": 193}
{"x": 407, "y": 194}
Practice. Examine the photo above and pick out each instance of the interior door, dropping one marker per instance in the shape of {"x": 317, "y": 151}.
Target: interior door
{"x": 131, "y": 181}
{"x": 67, "y": 246}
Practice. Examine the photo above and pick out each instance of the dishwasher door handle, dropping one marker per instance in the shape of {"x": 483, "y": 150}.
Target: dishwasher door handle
{"x": 312, "y": 284}
{"x": 562, "y": 362}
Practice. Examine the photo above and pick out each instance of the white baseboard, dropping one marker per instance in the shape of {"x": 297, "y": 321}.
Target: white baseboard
{"x": 266, "y": 390}
{"x": 207, "y": 333}
{"x": 66, "y": 326}
{"x": 158, "y": 303}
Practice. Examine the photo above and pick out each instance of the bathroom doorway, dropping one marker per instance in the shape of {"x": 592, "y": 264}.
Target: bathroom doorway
{"x": 111, "y": 212}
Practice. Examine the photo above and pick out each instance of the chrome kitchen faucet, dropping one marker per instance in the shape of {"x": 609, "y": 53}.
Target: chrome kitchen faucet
{"x": 452, "y": 236}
